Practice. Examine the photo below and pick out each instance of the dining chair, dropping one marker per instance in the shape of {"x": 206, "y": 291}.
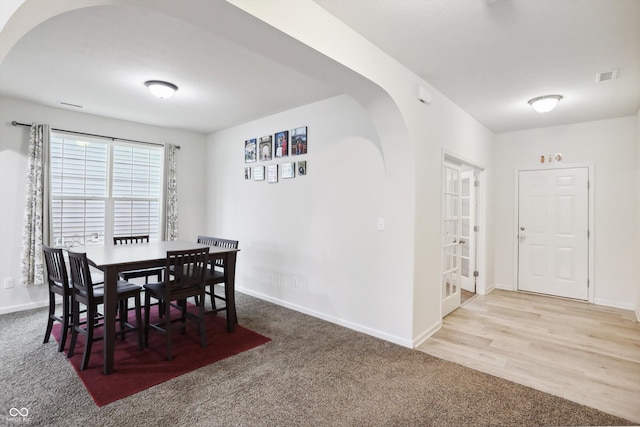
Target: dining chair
{"x": 184, "y": 278}
{"x": 58, "y": 281}
{"x": 216, "y": 273}
{"x": 144, "y": 272}
{"x": 85, "y": 293}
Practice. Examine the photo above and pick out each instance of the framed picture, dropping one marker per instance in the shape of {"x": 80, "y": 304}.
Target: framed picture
{"x": 265, "y": 148}
{"x": 250, "y": 150}
{"x": 302, "y": 168}
{"x": 258, "y": 173}
{"x": 247, "y": 173}
{"x": 282, "y": 143}
{"x": 288, "y": 170}
{"x": 299, "y": 141}
{"x": 272, "y": 173}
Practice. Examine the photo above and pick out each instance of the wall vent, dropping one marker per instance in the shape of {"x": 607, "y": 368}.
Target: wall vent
{"x": 606, "y": 76}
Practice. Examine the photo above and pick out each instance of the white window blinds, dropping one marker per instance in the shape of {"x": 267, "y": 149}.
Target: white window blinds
{"x": 101, "y": 189}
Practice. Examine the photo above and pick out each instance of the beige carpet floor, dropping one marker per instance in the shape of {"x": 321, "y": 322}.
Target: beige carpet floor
{"x": 312, "y": 373}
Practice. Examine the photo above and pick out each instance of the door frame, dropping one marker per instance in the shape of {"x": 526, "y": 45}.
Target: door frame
{"x": 481, "y": 220}
{"x": 591, "y": 213}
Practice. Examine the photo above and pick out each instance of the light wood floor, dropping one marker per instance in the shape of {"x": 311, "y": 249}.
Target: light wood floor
{"x": 585, "y": 353}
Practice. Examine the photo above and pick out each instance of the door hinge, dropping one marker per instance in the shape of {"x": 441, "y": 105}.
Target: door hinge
{"x": 588, "y": 234}
{"x": 476, "y": 183}
{"x": 476, "y": 273}
{"x": 587, "y": 283}
{"x": 476, "y": 228}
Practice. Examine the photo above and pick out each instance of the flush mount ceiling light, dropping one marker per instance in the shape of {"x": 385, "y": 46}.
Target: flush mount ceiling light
{"x": 544, "y": 104}
{"x": 160, "y": 89}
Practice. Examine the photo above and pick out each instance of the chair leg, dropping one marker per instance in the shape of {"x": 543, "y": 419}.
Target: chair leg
{"x": 66, "y": 314}
{"x": 75, "y": 310}
{"x": 89, "y": 336}
{"x": 123, "y": 317}
{"x": 212, "y": 289}
{"x": 167, "y": 318}
{"x": 52, "y": 308}
{"x": 147, "y": 309}
{"x": 139, "y": 323}
{"x": 203, "y": 331}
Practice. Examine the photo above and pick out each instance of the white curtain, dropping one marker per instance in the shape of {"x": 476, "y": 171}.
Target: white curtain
{"x": 171, "y": 193}
{"x": 36, "y": 207}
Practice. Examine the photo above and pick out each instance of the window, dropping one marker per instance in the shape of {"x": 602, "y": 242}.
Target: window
{"x": 101, "y": 189}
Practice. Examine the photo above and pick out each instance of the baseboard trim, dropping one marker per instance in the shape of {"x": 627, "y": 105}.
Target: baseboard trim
{"x": 615, "y": 304}
{"x": 427, "y": 334}
{"x": 354, "y": 326}
{"x": 637, "y": 311}
{"x": 23, "y": 307}
{"x": 504, "y": 287}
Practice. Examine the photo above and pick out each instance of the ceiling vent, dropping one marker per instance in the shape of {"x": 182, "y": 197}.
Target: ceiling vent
{"x": 68, "y": 104}
{"x": 606, "y": 76}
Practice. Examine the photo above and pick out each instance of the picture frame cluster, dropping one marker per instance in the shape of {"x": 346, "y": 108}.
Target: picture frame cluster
{"x": 278, "y": 146}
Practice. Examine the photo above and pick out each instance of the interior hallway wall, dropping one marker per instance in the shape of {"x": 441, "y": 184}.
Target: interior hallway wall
{"x": 610, "y": 145}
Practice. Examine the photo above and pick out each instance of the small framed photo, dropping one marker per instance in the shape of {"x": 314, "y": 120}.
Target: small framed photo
{"x": 258, "y": 173}
{"x": 282, "y": 143}
{"x": 265, "y": 148}
{"x": 250, "y": 150}
{"x": 288, "y": 170}
{"x": 299, "y": 141}
{"x": 302, "y": 168}
{"x": 247, "y": 173}
{"x": 272, "y": 173}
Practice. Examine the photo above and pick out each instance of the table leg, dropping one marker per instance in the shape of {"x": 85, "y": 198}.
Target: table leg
{"x": 230, "y": 290}
{"x": 110, "y": 303}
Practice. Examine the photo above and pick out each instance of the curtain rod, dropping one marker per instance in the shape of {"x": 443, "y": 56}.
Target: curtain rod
{"x": 14, "y": 123}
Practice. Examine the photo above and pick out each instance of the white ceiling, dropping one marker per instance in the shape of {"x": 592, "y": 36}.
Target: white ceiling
{"x": 488, "y": 56}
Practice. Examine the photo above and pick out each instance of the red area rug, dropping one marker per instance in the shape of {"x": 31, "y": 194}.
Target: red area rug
{"x": 136, "y": 370}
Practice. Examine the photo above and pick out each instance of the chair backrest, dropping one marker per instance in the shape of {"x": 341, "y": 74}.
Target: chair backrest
{"x": 126, "y": 240}
{"x": 187, "y": 268}
{"x": 56, "y": 268}
{"x": 222, "y": 243}
{"x": 80, "y": 274}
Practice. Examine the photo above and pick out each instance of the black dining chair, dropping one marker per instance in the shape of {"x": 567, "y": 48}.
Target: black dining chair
{"x": 184, "y": 278}
{"x": 144, "y": 272}
{"x": 85, "y": 293}
{"x": 216, "y": 273}
{"x": 58, "y": 281}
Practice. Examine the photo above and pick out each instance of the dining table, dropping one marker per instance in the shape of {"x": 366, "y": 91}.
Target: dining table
{"x": 114, "y": 259}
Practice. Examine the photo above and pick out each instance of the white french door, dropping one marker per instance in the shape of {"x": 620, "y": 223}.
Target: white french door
{"x": 553, "y": 232}
{"x": 467, "y": 234}
{"x": 451, "y": 227}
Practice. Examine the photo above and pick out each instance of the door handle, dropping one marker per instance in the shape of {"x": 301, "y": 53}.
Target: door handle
{"x": 521, "y": 236}
{"x": 462, "y": 241}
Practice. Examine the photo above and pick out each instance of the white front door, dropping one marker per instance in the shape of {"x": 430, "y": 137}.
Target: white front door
{"x": 451, "y": 225}
{"x": 553, "y": 227}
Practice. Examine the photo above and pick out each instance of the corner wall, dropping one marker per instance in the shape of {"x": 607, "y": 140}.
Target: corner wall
{"x": 637, "y": 216}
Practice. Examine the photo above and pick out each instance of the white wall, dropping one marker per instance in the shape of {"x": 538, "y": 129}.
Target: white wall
{"x": 14, "y": 142}
{"x": 637, "y": 216}
{"x": 610, "y": 145}
{"x": 311, "y": 242}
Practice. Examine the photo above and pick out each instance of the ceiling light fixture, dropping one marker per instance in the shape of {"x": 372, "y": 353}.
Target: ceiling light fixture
{"x": 544, "y": 104}
{"x": 160, "y": 89}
